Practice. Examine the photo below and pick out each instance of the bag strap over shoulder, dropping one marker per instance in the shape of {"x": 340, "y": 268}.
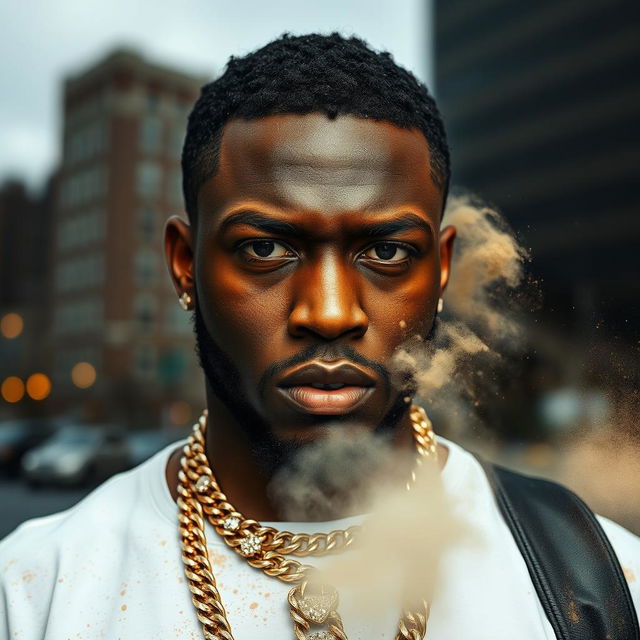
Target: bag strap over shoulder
{"x": 572, "y": 564}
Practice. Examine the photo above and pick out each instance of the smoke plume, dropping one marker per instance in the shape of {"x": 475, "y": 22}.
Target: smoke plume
{"x": 480, "y": 324}
{"x": 407, "y": 532}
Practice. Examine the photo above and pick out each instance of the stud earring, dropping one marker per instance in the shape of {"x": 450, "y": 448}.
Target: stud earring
{"x": 185, "y": 301}
{"x": 440, "y": 305}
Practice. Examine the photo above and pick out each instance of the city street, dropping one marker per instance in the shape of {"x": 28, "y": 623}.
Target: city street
{"x": 20, "y": 502}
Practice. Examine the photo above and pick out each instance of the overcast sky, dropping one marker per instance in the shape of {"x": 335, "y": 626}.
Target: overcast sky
{"x": 43, "y": 41}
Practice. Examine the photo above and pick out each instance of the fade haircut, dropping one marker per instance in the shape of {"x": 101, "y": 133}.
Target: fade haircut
{"x": 330, "y": 74}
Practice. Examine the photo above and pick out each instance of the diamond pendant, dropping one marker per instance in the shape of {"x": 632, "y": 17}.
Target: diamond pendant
{"x": 316, "y": 603}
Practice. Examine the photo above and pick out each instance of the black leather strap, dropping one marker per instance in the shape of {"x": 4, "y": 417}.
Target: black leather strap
{"x": 571, "y": 562}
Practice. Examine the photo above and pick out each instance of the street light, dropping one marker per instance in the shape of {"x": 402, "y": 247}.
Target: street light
{"x": 12, "y": 389}
{"x": 38, "y": 386}
{"x": 83, "y": 375}
{"x": 11, "y": 325}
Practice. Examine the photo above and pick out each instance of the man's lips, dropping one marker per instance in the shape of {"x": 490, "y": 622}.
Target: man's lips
{"x": 325, "y": 402}
{"x": 326, "y": 388}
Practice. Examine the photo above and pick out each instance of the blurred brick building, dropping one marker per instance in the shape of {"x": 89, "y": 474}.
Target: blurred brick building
{"x": 541, "y": 102}
{"x": 113, "y": 305}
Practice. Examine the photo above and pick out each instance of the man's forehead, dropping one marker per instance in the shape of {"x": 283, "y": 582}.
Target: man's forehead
{"x": 313, "y": 140}
{"x": 315, "y": 163}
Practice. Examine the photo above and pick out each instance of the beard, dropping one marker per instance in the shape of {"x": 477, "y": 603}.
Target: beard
{"x": 225, "y": 381}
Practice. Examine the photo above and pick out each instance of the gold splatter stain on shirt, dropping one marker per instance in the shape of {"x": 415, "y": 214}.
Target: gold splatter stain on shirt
{"x": 9, "y": 565}
{"x": 123, "y": 607}
{"x": 163, "y": 543}
{"x": 60, "y": 580}
{"x": 267, "y": 595}
{"x": 123, "y": 592}
{"x": 629, "y": 575}
{"x": 218, "y": 559}
{"x": 253, "y": 605}
{"x": 28, "y": 576}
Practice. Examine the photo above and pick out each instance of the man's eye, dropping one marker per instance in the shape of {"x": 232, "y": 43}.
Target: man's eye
{"x": 387, "y": 252}
{"x": 265, "y": 249}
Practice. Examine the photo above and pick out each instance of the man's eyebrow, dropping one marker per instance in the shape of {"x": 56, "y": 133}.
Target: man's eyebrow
{"x": 260, "y": 222}
{"x": 266, "y": 224}
{"x": 404, "y": 222}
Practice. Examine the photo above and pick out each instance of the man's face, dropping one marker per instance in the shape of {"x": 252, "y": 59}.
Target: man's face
{"x": 317, "y": 253}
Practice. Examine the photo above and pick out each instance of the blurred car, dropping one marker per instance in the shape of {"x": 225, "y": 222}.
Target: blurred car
{"x": 18, "y": 436}
{"x": 76, "y": 455}
{"x": 143, "y": 444}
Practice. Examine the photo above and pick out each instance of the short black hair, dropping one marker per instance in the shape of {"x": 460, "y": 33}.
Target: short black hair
{"x": 305, "y": 74}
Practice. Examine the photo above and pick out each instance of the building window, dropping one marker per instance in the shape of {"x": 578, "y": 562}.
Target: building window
{"x": 146, "y": 263}
{"x": 153, "y": 101}
{"x": 177, "y": 321}
{"x": 79, "y": 316}
{"x": 172, "y": 367}
{"x": 148, "y": 177}
{"x": 147, "y": 223}
{"x": 145, "y": 312}
{"x": 83, "y": 186}
{"x": 81, "y": 230}
{"x": 80, "y": 273}
{"x": 174, "y": 189}
{"x": 145, "y": 361}
{"x": 176, "y": 140}
{"x": 150, "y": 135}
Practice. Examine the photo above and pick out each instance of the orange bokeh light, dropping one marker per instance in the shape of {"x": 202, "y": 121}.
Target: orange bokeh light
{"x": 12, "y": 389}
{"x": 38, "y": 386}
{"x": 11, "y": 325}
{"x": 83, "y": 375}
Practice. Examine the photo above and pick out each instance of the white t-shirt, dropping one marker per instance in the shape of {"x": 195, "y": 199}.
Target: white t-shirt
{"x": 110, "y": 567}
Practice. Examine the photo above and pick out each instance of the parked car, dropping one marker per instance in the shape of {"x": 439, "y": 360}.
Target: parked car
{"x": 143, "y": 444}
{"x": 75, "y": 455}
{"x": 18, "y": 436}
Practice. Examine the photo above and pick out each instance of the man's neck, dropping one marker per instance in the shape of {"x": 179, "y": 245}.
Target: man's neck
{"x": 244, "y": 482}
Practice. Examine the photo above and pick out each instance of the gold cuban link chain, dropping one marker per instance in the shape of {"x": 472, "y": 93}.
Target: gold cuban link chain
{"x": 200, "y": 496}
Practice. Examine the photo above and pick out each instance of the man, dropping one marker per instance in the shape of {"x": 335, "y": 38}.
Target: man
{"x": 315, "y": 177}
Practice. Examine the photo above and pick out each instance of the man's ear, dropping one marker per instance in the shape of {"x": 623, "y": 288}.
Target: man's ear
{"x": 178, "y": 248}
{"x": 447, "y": 238}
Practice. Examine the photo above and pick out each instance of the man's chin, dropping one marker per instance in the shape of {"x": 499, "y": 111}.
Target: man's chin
{"x": 272, "y": 454}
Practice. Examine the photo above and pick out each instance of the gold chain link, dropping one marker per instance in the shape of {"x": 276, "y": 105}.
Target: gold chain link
{"x": 200, "y": 495}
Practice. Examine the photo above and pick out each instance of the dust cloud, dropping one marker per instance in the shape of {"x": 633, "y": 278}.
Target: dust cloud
{"x": 348, "y": 473}
{"x": 395, "y": 558}
{"x": 488, "y": 264}
{"x": 481, "y": 322}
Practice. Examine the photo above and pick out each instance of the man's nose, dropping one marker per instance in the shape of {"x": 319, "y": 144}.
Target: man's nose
{"x": 326, "y": 300}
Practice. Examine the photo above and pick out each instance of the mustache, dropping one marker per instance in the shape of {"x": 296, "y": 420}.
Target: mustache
{"x": 329, "y": 352}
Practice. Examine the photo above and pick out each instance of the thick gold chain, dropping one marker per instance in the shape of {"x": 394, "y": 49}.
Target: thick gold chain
{"x": 200, "y": 496}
